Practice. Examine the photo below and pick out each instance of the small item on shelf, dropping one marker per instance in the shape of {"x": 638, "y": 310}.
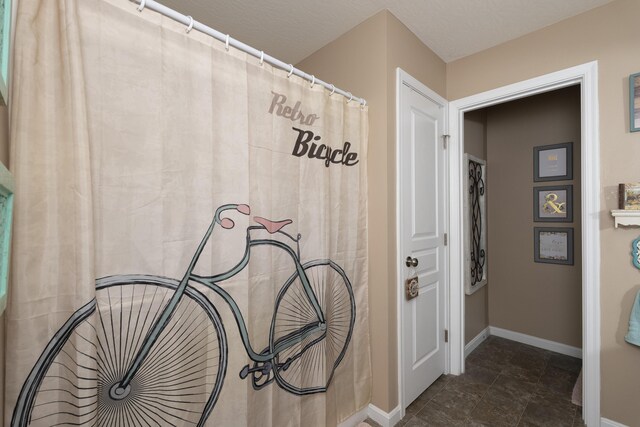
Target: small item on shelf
{"x": 629, "y": 196}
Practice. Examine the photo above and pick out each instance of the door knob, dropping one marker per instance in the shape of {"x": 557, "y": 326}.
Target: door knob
{"x": 411, "y": 262}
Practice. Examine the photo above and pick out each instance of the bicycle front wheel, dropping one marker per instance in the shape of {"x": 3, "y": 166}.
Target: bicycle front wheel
{"x": 307, "y": 367}
{"x": 74, "y": 381}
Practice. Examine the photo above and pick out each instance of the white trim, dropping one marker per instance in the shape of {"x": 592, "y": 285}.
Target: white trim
{"x": 356, "y": 418}
{"x": 476, "y": 341}
{"x": 385, "y": 419}
{"x": 536, "y": 342}
{"x": 608, "y": 423}
{"x": 399, "y": 296}
{"x": 402, "y": 77}
{"x": 587, "y": 76}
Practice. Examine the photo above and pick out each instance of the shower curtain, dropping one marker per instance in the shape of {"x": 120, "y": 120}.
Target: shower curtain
{"x": 190, "y": 242}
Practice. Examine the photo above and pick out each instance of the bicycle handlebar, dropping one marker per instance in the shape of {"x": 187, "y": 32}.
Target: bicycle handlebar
{"x": 227, "y": 223}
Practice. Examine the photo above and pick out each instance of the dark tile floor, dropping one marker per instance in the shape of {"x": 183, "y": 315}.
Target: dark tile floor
{"x": 505, "y": 384}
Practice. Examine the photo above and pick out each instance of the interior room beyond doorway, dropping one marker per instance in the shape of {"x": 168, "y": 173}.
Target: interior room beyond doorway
{"x": 535, "y": 302}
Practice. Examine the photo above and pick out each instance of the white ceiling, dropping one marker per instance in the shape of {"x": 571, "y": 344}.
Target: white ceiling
{"x": 291, "y": 30}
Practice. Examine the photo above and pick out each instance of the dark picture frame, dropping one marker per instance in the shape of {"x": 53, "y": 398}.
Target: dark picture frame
{"x": 553, "y": 203}
{"x": 634, "y": 102}
{"x": 553, "y": 162}
{"x": 553, "y": 245}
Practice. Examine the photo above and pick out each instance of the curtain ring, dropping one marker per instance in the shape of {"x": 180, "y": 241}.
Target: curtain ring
{"x": 190, "y": 27}
{"x": 226, "y": 43}
{"x": 262, "y": 58}
{"x": 143, "y": 3}
{"x": 313, "y": 81}
{"x": 333, "y": 89}
{"x": 350, "y": 97}
{"x": 363, "y": 103}
{"x": 290, "y": 70}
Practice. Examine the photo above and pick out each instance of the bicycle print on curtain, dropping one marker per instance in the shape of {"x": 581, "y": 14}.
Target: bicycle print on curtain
{"x": 191, "y": 248}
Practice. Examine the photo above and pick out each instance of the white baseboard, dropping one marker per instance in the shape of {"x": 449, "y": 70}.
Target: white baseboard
{"x": 385, "y": 419}
{"x": 536, "y": 342}
{"x": 608, "y": 423}
{"x": 356, "y": 418}
{"x": 390, "y": 419}
{"x": 475, "y": 342}
{"x": 376, "y": 414}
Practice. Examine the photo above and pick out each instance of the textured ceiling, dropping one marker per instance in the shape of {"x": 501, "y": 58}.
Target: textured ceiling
{"x": 291, "y": 30}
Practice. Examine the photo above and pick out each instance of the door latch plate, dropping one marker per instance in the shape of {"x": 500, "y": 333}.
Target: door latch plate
{"x": 411, "y": 287}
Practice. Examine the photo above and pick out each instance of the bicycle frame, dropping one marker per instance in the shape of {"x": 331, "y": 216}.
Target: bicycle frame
{"x": 211, "y": 283}
{"x": 291, "y": 340}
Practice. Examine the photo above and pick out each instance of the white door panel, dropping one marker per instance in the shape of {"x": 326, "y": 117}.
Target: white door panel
{"x": 425, "y": 332}
{"x": 422, "y": 226}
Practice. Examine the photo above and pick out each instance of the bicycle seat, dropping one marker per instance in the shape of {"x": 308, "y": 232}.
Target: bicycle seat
{"x": 271, "y": 226}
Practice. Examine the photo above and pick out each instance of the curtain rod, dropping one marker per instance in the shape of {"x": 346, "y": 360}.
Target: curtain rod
{"x": 192, "y": 24}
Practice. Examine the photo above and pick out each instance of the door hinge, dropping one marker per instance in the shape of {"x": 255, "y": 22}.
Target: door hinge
{"x": 446, "y": 335}
{"x": 445, "y": 140}
{"x": 446, "y": 239}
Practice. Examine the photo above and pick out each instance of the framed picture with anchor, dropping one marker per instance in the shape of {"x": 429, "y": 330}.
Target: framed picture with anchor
{"x": 553, "y": 203}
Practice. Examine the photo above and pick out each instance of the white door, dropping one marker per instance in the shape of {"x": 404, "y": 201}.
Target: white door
{"x": 422, "y": 225}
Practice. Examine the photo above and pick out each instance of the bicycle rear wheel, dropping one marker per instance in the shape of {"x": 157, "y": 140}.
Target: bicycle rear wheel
{"x": 308, "y": 366}
{"x": 75, "y": 379}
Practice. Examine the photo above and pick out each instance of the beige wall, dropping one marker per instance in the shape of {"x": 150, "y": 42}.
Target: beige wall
{"x": 364, "y": 60}
{"x": 475, "y": 133}
{"x": 542, "y": 300}
{"x": 476, "y": 305}
{"x": 609, "y": 35}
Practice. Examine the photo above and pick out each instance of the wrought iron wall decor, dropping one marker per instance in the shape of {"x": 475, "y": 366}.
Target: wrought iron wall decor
{"x": 476, "y": 228}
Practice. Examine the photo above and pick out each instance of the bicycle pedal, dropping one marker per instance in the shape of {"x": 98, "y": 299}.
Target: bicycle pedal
{"x": 244, "y": 372}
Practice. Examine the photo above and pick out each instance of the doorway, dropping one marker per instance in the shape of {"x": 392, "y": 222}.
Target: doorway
{"x": 533, "y": 296}
{"x": 586, "y": 77}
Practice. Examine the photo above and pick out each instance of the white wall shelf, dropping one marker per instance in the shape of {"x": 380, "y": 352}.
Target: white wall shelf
{"x": 627, "y": 218}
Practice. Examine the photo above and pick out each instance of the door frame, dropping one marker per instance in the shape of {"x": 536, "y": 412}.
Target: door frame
{"x": 404, "y": 78}
{"x": 586, "y": 75}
